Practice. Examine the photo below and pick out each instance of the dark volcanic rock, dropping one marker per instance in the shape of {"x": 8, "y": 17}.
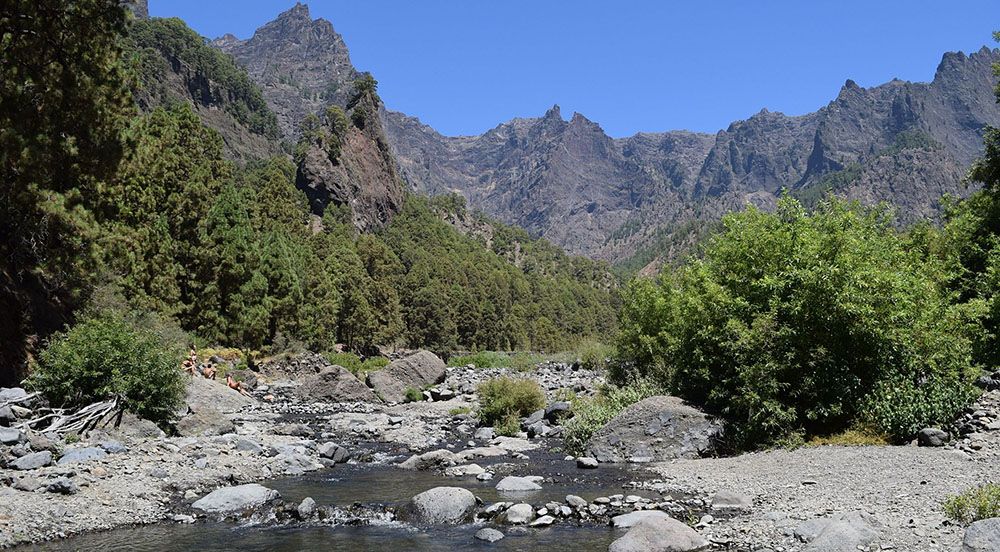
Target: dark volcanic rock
{"x": 415, "y": 371}
{"x": 652, "y": 430}
{"x": 335, "y": 384}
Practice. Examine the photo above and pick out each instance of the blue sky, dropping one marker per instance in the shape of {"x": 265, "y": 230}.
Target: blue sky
{"x": 463, "y": 66}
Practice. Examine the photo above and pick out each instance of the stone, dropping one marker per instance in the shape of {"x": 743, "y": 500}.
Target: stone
{"x": 513, "y": 484}
{"x": 413, "y": 372}
{"x": 7, "y": 416}
{"x": 533, "y": 418}
{"x": 558, "y": 411}
{"x": 841, "y": 532}
{"x": 333, "y": 451}
{"x": 85, "y": 454}
{"x": 158, "y": 473}
{"x": 586, "y": 463}
{"x": 12, "y": 394}
{"x": 488, "y": 534}
{"x": 655, "y": 429}
{"x": 982, "y": 536}
{"x": 442, "y": 505}
{"x": 306, "y": 508}
{"x": 27, "y": 484}
{"x": 33, "y": 461}
{"x": 518, "y": 514}
{"x": 246, "y": 445}
{"x": 932, "y": 437}
{"x": 485, "y": 476}
{"x": 207, "y": 408}
{"x": 428, "y": 460}
{"x": 335, "y": 384}
{"x": 113, "y": 447}
{"x": 626, "y": 521}
{"x": 62, "y": 485}
{"x": 575, "y": 501}
{"x": 659, "y": 535}
{"x": 484, "y": 434}
{"x": 10, "y": 436}
{"x": 229, "y": 500}
{"x": 729, "y": 500}
{"x": 543, "y": 521}
{"x": 462, "y": 471}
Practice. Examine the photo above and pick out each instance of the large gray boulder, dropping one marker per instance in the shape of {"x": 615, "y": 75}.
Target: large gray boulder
{"x": 231, "y": 500}
{"x": 659, "y": 534}
{"x": 442, "y": 505}
{"x": 335, "y": 384}
{"x": 655, "y": 429}
{"x": 208, "y": 408}
{"x": 631, "y": 519}
{"x": 33, "y": 461}
{"x": 415, "y": 371}
{"x": 12, "y": 394}
{"x": 10, "y": 436}
{"x": 982, "y": 536}
{"x": 84, "y": 454}
{"x": 840, "y": 533}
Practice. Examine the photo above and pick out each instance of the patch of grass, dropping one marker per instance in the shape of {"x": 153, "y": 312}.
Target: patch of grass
{"x": 355, "y": 365}
{"x": 856, "y": 437}
{"x": 459, "y": 410}
{"x": 974, "y": 504}
{"x": 508, "y": 426}
{"x": 229, "y": 354}
{"x": 590, "y": 414}
{"x": 501, "y": 398}
{"x": 593, "y": 354}
{"x": 525, "y": 362}
{"x": 414, "y": 394}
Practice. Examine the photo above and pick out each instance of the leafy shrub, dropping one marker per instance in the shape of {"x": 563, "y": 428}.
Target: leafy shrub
{"x": 508, "y": 426}
{"x": 501, "y": 398}
{"x": 525, "y": 362}
{"x": 591, "y": 414}
{"x": 414, "y": 394}
{"x": 593, "y": 354}
{"x": 804, "y": 322}
{"x": 459, "y": 410}
{"x": 104, "y": 358}
{"x": 355, "y": 365}
{"x": 974, "y": 504}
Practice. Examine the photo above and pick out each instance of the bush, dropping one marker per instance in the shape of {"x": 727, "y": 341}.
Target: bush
{"x": 813, "y": 323}
{"x": 482, "y": 359}
{"x": 103, "y": 358}
{"x": 591, "y": 414}
{"x": 413, "y": 394}
{"x": 974, "y": 504}
{"x": 355, "y": 365}
{"x": 593, "y": 354}
{"x": 501, "y": 398}
{"x": 508, "y": 426}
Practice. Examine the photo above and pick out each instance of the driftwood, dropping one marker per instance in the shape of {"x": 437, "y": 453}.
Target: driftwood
{"x": 25, "y": 398}
{"x": 79, "y": 421}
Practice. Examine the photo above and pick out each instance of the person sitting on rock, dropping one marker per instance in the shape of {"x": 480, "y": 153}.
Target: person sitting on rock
{"x": 209, "y": 371}
{"x": 233, "y": 384}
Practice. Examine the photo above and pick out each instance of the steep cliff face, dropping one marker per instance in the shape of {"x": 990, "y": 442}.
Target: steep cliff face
{"x": 301, "y": 64}
{"x": 351, "y": 165}
{"x": 906, "y": 143}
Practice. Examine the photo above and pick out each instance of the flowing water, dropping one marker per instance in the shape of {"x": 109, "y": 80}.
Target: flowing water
{"x": 382, "y": 485}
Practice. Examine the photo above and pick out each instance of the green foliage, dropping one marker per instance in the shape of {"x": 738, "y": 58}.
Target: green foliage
{"x": 508, "y": 426}
{"x": 500, "y": 398}
{"x": 594, "y": 355}
{"x": 228, "y": 84}
{"x": 974, "y": 504}
{"x": 104, "y": 358}
{"x": 482, "y": 359}
{"x": 459, "y": 410}
{"x": 798, "y": 321}
{"x": 591, "y": 414}
{"x": 355, "y": 365}
{"x": 413, "y": 394}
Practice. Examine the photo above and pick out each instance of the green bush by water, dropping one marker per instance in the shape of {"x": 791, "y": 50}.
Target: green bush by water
{"x": 501, "y": 398}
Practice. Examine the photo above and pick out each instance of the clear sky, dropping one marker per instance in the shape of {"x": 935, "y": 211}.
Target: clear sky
{"x": 464, "y": 66}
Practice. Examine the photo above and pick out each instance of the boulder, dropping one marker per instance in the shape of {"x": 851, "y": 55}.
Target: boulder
{"x": 484, "y": 434}
{"x": 982, "y": 536}
{"x": 12, "y": 394}
{"x": 62, "y": 485}
{"x": 33, "y": 461}
{"x": 586, "y": 463}
{"x": 626, "y": 521}
{"x": 207, "y": 409}
{"x": 428, "y": 460}
{"x": 306, "y": 508}
{"x": 231, "y": 500}
{"x": 85, "y": 454}
{"x": 442, "y": 505}
{"x": 333, "y": 451}
{"x": 518, "y": 514}
{"x": 462, "y": 471}
{"x": 656, "y": 534}
{"x": 413, "y": 372}
{"x": 10, "y": 436}
{"x": 113, "y": 447}
{"x": 558, "y": 411}
{"x": 488, "y": 534}
{"x": 7, "y": 416}
{"x": 731, "y": 501}
{"x": 932, "y": 437}
{"x": 334, "y": 384}
{"x": 513, "y": 484}
{"x": 659, "y": 428}
{"x": 843, "y": 532}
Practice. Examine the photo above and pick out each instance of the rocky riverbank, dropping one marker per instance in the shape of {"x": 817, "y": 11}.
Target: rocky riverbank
{"x": 809, "y": 499}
